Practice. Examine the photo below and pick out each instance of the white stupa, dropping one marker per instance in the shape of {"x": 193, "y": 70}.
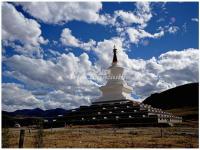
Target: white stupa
{"x": 116, "y": 107}
{"x": 116, "y": 89}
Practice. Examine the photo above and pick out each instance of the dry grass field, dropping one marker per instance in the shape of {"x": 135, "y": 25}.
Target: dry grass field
{"x": 93, "y": 137}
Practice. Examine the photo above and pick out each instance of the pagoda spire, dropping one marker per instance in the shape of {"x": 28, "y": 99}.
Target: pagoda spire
{"x": 114, "y": 55}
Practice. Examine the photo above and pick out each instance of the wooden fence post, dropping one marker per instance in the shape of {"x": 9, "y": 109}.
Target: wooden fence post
{"x": 161, "y": 133}
{"x": 21, "y": 138}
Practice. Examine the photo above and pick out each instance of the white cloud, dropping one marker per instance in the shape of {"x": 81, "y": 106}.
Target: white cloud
{"x": 160, "y": 20}
{"x": 128, "y": 17}
{"x": 15, "y": 27}
{"x": 65, "y": 75}
{"x": 61, "y": 99}
{"x": 51, "y": 83}
{"x": 88, "y": 45}
{"x": 144, "y": 11}
{"x": 181, "y": 59}
{"x": 140, "y": 16}
{"x": 54, "y": 52}
{"x": 63, "y": 12}
{"x": 173, "y": 29}
{"x": 184, "y": 27}
{"x": 121, "y": 20}
{"x": 136, "y": 35}
{"x": 49, "y": 73}
{"x": 14, "y": 96}
{"x": 195, "y": 19}
{"x": 68, "y": 39}
{"x": 169, "y": 70}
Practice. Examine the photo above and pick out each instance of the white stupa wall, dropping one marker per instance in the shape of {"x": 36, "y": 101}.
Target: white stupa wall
{"x": 115, "y": 88}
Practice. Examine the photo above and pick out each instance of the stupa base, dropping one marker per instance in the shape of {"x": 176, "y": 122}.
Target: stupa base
{"x": 121, "y": 113}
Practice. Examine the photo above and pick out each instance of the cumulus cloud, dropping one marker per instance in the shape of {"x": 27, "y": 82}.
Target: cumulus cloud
{"x": 168, "y": 70}
{"x": 129, "y": 17}
{"x": 136, "y": 35}
{"x": 14, "y": 96}
{"x": 15, "y": 27}
{"x": 184, "y": 69}
{"x": 140, "y": 16}
{"x": 144, "y": 11}
{"x": 125, "y": 19}
{"x": 63, "y": 12}
{"x": 68, "y": 39}
{"x": 90, "y": 12}
{"x": 61, "y": 99}
{"x": 60, "y": 83}
{"x": 160, "y": 20}
{"x": 195, "y": 19}
{"x": 65, "y": 75}
{"x": 66, "y": 71}
{"x": 173, "y": 29}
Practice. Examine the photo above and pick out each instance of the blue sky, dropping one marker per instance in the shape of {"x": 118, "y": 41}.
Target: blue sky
{"x": 45, "y": 43}
{"x": 188, "y": 38}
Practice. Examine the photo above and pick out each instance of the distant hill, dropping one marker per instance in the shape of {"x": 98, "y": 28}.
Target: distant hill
{"x": 181, "y": 101}
{"x": 26, "y": 117}
{"x": 182, "y": 96}
{"x": 37, "y": 112}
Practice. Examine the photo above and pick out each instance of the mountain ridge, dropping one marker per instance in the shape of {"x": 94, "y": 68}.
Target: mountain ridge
{"x": 37, "y": 112}
{"x": 186, "y": 95}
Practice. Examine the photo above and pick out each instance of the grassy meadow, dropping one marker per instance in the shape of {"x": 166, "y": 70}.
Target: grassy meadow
{"x": 98, "y": 137}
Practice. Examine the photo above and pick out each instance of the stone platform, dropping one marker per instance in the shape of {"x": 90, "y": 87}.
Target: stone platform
{"x": 121, "y": 113}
